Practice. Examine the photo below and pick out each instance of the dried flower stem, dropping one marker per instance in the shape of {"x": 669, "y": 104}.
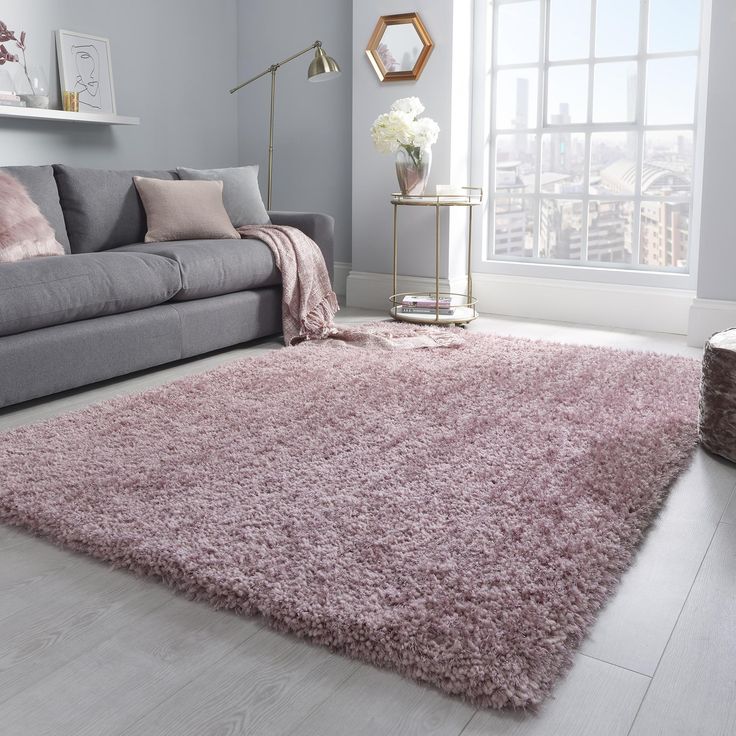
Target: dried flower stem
{"x": 25, "y": 70}
{"x": 5, "y": 56}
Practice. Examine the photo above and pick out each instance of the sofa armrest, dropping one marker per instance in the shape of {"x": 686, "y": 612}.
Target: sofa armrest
{"x": 321, "y": 228}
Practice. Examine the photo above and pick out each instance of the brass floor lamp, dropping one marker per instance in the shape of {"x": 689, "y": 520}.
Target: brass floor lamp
{"x": 322, "y": 68}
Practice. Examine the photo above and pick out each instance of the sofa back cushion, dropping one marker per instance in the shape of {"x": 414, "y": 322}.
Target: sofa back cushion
{"x": 41, "y": 187}
{"x": 102, "y": 208}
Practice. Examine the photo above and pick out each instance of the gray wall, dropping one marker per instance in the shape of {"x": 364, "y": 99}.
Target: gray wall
{"x": 173, "y": 61}
{"x": 717, "y": 261}
{"x": 312, "y": 134}
{"x": 374, "y": 174}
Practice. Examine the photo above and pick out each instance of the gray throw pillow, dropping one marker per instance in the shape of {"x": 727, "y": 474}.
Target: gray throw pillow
{"x": 241, "y": 195}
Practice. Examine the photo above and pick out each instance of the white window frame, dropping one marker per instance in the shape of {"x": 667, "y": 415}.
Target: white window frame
{"x": 483, "y": 152}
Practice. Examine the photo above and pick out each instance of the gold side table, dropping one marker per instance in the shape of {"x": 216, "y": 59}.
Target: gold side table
{"x": 463, "y": 305}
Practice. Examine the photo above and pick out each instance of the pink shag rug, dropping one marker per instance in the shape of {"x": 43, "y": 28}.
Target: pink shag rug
{"x": 458, "y": 515}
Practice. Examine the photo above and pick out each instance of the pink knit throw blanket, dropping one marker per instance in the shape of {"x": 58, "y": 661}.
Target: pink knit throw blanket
{"x": 308, "y": 303}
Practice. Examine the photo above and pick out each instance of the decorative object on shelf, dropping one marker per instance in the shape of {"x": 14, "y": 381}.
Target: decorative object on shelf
{"x": 85, "y": 67}
{"x": 321, "y": 68}
{"x": 399, "y": 47}
{"x": 450, "y": 190}
{"x": 31, "y": 86}
{"x": 403, "y": 132}
{"x": 8, "y": 98}
{"x": 71, "y": 101}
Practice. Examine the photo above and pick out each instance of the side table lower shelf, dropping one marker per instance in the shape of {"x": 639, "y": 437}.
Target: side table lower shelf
{"x": 461, "y": 315}
{"x": 463, "y": 309}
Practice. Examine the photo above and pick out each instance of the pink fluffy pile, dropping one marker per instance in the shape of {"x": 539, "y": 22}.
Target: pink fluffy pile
{"x": 456, "y": 515}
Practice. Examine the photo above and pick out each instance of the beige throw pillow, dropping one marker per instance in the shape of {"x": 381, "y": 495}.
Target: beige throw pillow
{"x": 184, "y": 210}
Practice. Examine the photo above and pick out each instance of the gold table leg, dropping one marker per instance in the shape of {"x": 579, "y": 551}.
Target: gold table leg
{"x": 396, "y": 250}
{"x": 470, "y": 250}
{"x": 437, "y": 263}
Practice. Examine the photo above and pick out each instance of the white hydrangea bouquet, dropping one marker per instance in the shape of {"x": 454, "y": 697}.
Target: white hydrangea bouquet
{"x": 401, "y": 131}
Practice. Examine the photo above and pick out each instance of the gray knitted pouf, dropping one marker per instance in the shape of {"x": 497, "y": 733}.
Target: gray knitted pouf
{"x": 718, "y": 395}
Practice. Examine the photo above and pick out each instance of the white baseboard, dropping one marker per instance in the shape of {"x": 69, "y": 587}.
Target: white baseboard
{"x": 708, "y": 316}
{"x": 620, "y": 306}
{"x": 604, "y": 305}
{"x": 372, "y": 290}
{"x": 341, "y": 277}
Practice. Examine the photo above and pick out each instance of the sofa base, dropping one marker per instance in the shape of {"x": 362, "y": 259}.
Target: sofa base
{"x": 54, "y": 359}
{"x": 223, "y": 321}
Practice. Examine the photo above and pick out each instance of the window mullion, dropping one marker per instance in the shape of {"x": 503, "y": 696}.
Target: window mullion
{"x": 494, "y": 136}
{"x": 541, "y": 117}
{"x": 641, "y": 121}
{"x": 584, "y": 222}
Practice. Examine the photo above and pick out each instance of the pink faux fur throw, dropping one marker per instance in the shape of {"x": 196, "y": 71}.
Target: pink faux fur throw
{"x": 308, "y": 304}
{"x": 457, "y": 515}
{"x": 24, "y": 231}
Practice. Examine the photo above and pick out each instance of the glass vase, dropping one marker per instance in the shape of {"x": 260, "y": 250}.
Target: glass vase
{"x": 413, "y": 165}
{"x": 32, "y": 86}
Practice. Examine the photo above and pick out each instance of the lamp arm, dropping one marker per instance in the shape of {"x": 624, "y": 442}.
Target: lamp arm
{"x": 272, "y": 71}
{"x": 274, "y": 67}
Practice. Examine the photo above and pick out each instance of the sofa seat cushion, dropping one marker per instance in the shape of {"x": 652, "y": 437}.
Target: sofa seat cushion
{"x": 215, "y": 267}
{"x": 42, "y": 292}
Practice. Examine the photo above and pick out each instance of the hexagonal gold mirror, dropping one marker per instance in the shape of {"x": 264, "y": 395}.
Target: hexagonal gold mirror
{"x": 399, "y": 47}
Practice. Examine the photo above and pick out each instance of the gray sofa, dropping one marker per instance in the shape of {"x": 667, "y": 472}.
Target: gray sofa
{"x": 115, "y": 304}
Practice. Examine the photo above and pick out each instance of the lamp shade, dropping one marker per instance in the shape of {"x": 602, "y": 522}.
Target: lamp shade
{"x": 323, "y": 67}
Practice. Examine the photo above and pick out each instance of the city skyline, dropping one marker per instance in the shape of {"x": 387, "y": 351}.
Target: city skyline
{"x": 670, "y": 89}
{"x": 534, "y": 160}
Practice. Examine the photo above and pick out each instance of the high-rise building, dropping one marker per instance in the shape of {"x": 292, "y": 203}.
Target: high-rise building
{"x": 609, "y": 228}
{"x": 664, "y": 233}
{"x": 521, "y": 119}
{"x": 632, "y": 92}
{"x": 560, "y": 149}
{"x": 513, "y": 234}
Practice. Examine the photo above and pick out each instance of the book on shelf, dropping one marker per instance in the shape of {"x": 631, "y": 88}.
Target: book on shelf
{"x": 428, "y": 302}
{"x": 12, "y": 103}
{"x": 426, "y": 310}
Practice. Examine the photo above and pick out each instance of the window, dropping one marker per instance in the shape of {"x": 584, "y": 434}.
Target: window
{"x": 592, "y": 131}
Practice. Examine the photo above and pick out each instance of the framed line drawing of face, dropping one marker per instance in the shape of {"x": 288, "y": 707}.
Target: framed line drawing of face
{"x": 85, "y": 67}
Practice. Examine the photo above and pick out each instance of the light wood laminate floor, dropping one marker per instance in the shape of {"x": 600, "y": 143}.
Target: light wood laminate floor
{"x": 89, "y": 651}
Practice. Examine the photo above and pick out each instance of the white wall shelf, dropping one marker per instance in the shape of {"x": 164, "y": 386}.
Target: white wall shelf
{"x": 30, "y": 113}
